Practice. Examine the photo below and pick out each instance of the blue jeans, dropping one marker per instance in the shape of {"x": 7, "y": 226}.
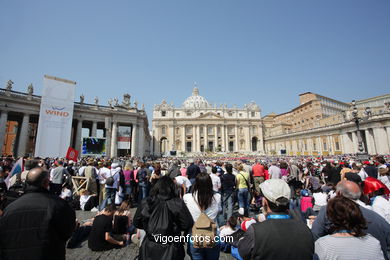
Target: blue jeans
{"x": 110, "y": 198}
{"x": 243, "y": 198}
{"x": 143, "y": 190}
{"x": 227, "y": 205}
{"x": 203, "y": 253}
{"x": 128, "y": 190}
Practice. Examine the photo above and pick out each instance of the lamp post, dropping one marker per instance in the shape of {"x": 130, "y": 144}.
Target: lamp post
{"x": 357, "y": 119}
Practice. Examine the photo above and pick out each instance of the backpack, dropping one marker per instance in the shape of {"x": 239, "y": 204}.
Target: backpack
{"x": 205, "y": 230}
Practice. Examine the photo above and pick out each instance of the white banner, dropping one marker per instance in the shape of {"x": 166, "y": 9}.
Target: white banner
{"x": 55, "y": 117}
{"x": 124, "y": 137}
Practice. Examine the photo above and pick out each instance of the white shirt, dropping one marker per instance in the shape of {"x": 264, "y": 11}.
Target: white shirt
{"x": 83, "y": 200}
{"x": 181, "y": 179}
{"x": 320, "y": 199}
{"x": 216, "y": 182}
{"x": 211, "y": 211}
{"x": 103, "y": 174}
{"x": 274, "y": 172}
{"x": 382, "y": 207}
{"x": 363, "y": 175}
{"x": 66, "y": 193}
{"x": 115, "y": 174}
{"x": 81, "y": 171}
{"x": 226, "y": 231}
{"x": 385, "y": 180}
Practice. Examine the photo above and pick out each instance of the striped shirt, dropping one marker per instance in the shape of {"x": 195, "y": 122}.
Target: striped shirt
{"x": 348, "y": 248}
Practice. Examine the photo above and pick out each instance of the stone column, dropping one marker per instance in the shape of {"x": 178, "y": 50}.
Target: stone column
{"x": 183, "y": 138}
{"x": 141, "y": 141}
{"x": 79, "y": 128}
{"x": 3, "y": 128}
{"x": 248, "y": 139}
{"x": 94, "y": 129}
{"x": 206, "y": 137}
{"x": 380, "y": 137}
{"x": 114, "y": 139}
{"x": 107, "y": 126}
{"x": 23, "y": 136}
{"x": 329, "y": 140}
{"x": 388, "y": 135}
{"x": 236, "y": 138}
{"x": 355, "y": 142}
{"x": 193, "y": 147}
{"x": 134, "y": 140}
{"x": 371, "y": 149}
{"x": 223, "y": 138}
{"x": 216, "y": 138}
{"x": 197, "y": 138}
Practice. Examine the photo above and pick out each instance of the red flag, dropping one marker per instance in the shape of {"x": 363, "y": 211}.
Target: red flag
{"x": 72, "y": 154}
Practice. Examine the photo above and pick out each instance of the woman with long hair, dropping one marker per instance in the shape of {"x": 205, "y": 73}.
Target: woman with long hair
{"x": 162, "y": 215}
{"x": 348, "y": 239}
{"x": 203, "y": 199}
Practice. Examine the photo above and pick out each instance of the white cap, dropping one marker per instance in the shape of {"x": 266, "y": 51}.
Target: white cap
{"x": 71, "y": 162}
{"x": 241, "y": 211}
{"x": 274, "y": 189}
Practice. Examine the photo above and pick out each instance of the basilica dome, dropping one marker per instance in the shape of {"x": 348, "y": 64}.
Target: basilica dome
{"x": 195, "y": 101}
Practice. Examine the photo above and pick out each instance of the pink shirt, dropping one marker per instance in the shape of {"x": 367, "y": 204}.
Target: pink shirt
{"x": 306, "y": 202}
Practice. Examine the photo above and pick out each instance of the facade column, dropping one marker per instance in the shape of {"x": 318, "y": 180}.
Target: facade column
{"x": 23, "y": 136}
{"x": 320, "y": 146}
{"x": 197, "y": 138}
{"x": 183, "y": 138}
{"x": 134, "y": 140}
{"x": 79, "y": 128}
{"x": 216, "y": 138}
{"x": 380, "y": 137}
{"x": 355, "y": 142}
{"x": 206, "y": 137}
{"x": 114, "y": 139}
{"x": 3, "y": 128}
{"x": 236, "y": 136}
{"x": 94, "y": 129}
{"x": 248, "y": 139}
{"x": 370, "y": 142}
{"x": 141, "y": 141}
{"x": 223, "y": 138}
{"x": 193, "y": 147}
{"x": 172, "y": 145}
{"x": 388, "y": 136}
{"x": 107, "y": 126}
{"x": 329, "y": 140}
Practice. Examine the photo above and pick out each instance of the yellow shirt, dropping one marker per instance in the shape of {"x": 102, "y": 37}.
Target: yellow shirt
{"x": 241, "y": 181}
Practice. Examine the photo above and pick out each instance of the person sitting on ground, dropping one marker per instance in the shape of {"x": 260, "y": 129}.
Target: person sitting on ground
{"x": 100, "y": 238}
{"x": 347, "y": 239}
{"x": 87, "y": 201}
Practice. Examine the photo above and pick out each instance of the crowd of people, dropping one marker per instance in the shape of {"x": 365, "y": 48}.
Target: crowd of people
{"x": 251, "y": 208}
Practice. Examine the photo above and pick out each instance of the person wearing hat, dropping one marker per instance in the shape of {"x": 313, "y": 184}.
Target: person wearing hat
{"x": 383, "y": 175}
{"x": 287, "y": 238}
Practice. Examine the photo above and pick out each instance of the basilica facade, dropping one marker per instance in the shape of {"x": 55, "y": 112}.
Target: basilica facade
{"x": 198, "y": 127}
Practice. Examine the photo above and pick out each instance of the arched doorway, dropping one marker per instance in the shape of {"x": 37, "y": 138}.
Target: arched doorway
{"x": 254, "y": 144}
{"x": 163, "y": 145}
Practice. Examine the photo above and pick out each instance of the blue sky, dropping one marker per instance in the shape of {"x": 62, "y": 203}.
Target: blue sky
{"x": 236, "y": 50}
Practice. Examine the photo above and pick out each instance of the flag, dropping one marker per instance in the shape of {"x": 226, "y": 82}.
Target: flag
{"x": 17, "y": 168}
{"x": 72, "y": 154}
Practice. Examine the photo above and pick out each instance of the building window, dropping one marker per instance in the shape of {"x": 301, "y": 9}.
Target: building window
{"x": 325, "y": 148}
{"x": 163, "y": 130}
{"x": 337, "y": 145}
{"x": 177, "y": 114}
{"x": 253, "y": 114}
{"x": 230, "y": 114}
{"x": 163, "y": 113}
{"x": 188, "y": 113}
{"x": 240, "y": 114}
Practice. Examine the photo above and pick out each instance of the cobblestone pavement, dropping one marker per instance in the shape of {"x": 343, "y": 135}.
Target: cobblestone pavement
{"x": 126, "y": 253}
